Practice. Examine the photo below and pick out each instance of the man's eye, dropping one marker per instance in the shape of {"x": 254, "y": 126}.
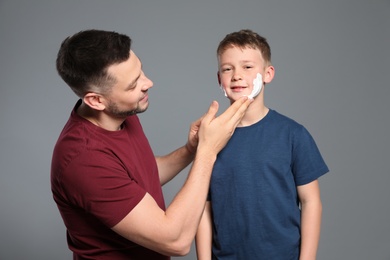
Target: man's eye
{"x": 226, "y": 69}
{"x": 132, "y": 86}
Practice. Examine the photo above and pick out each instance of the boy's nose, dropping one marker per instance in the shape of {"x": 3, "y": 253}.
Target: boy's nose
{"x": 237, "y": 76}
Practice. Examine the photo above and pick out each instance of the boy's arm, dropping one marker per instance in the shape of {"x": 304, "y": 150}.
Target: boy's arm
{"x": 309, "y": 196}
{"x": 203, "y": 239}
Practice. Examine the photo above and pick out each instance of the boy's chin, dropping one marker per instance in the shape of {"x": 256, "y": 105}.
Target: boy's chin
{"x": 234, "y": 98}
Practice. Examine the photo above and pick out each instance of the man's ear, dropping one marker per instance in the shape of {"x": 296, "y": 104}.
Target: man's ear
{"x": 269, "y": 74}
{"x": 94, "y": 101}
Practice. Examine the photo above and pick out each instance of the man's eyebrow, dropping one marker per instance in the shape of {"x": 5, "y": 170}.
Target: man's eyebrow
{"x": 131, "y": 85}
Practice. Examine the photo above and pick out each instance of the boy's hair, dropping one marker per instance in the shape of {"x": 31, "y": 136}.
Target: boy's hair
{"x": 246, "y": 39}
{"x": 83, "y": 60}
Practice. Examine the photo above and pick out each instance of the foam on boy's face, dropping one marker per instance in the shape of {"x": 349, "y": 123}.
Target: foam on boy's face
{"x": 223, "y": 90}
{"x": 257, "y": 86}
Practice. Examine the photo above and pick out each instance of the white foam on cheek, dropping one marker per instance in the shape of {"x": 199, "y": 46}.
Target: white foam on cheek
{"x": 257, "y": 85}
{"x": 224, "y": 92}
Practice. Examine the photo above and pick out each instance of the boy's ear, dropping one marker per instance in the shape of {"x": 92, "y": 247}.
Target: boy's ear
{"x": 94, "y": 101}
{"x": 269, "y": 74}
{"x": 219, "y": 79}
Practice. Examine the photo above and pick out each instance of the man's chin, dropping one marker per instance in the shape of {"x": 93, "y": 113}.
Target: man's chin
{"x": 140, "y": 111}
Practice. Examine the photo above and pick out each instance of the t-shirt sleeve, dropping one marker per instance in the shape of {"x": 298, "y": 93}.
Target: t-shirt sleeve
{"x": 307, "y": 162}
{"x": 101, "y": 187}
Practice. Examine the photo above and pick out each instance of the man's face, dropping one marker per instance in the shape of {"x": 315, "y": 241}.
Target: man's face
{"x": 237, "y": 70}
{"x": 129, "y": 95}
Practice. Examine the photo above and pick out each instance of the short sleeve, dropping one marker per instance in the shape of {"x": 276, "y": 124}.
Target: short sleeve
{"x": 101, "y": 187}
{"x": 307, "y": 162}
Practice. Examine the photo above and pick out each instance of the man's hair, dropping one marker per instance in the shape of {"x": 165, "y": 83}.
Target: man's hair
{"x": 246, "y": 39}
{"x": 83, "y": 60}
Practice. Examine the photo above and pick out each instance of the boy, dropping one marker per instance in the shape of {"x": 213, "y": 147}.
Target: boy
{"x": 264, "y": 199}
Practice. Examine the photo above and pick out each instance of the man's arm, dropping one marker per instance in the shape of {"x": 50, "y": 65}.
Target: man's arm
{"x": 203, "y": 239}
{"x": 309, "y": 196}
{"x": 172, "y": 232}
{"x": 170, "y": 165}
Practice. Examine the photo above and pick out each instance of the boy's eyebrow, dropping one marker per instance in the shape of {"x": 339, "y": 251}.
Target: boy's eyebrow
{"x": 241, "y": 62}
{"x": 224, "y": 64}
{"x": 245, "y": 61}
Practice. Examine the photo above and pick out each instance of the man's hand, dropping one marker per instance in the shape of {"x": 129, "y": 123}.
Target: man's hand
{"x": 193, "y": 138}
{"x": 214, "y": 132}
{"x": 171, "y": 232}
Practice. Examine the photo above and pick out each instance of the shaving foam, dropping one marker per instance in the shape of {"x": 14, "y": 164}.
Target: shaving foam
{"x": 257, "y": 85}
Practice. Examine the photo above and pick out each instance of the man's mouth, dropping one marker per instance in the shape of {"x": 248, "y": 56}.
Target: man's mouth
{"x": 145, "y": 98}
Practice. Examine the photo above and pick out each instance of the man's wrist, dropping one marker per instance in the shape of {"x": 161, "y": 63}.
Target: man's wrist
{"x": 190, "y": 149}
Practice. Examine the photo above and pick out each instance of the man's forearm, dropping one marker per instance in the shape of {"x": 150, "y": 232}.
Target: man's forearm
{"x": 188, "y": 205}
{"x": 171, "y": 164}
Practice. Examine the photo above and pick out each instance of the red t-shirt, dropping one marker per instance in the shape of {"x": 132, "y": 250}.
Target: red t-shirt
{"x": 97, "y": 178}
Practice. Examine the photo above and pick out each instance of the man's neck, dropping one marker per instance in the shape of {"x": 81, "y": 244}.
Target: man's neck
{"x": 99, "y": 118}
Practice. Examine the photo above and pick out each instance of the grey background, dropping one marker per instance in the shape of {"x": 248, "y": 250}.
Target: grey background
{"x": 332, "y": 75}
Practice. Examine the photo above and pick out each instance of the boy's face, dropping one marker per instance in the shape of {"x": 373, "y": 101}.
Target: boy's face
{"x": 237, "y": 70}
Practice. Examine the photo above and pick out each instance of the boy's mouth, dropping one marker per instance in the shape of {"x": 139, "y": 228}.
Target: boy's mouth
{"x": 237, "y": 88}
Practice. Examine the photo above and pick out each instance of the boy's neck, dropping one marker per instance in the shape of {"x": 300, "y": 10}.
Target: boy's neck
{"x": 254, "y": 114}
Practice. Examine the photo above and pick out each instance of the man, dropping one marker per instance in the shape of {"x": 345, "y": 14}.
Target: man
{"x": 104, "y": 177}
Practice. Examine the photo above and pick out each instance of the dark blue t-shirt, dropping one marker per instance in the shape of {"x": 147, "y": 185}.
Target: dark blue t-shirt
{"x": 253, "y": 193}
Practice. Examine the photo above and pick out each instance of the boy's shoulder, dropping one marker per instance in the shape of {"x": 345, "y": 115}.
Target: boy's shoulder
{"x": 282, "y": 119}
{"x": 285, "y": 125}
